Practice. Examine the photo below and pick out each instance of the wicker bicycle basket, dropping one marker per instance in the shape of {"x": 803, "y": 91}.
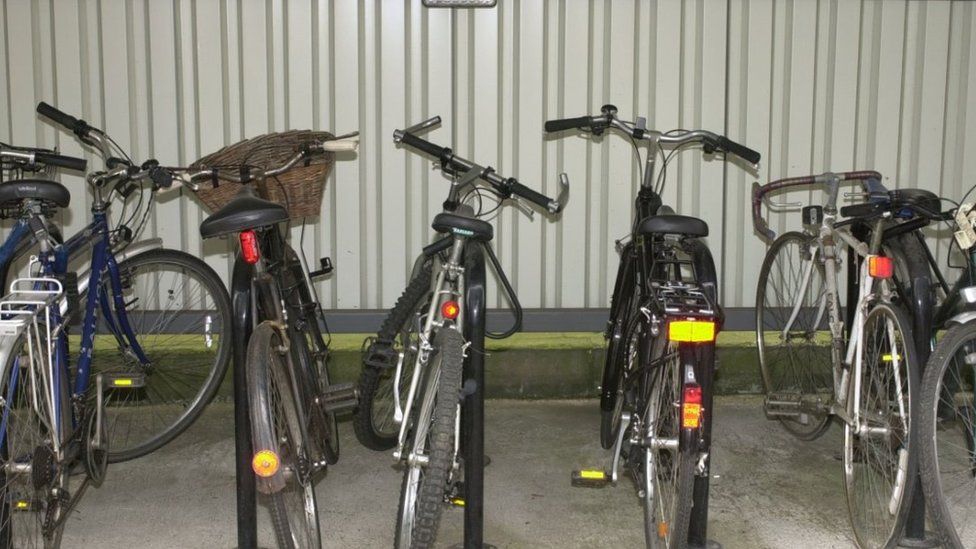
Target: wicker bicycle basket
{"x": 299, "y": 189}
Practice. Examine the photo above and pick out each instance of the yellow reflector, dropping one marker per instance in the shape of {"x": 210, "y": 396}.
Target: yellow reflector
{"x": 662, "y": 530}
{"x": 22, "y": 505}
{"x": 265, "y": 463}
{"x": 890, "y": 357}
{"x": 458, "y": 502}
{"x": 122, "y": 382}
{"x": 592, "y": 474}
{"x": 690, "y": 415}
{"x": 694, "y": 331}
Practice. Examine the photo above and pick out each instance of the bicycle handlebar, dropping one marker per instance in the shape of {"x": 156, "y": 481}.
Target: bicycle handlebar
{"x": 828, "y": 178}
{"x": 41, "y": 156}
{"x": 505, "y": 186}
{"x": 710, "y": 141}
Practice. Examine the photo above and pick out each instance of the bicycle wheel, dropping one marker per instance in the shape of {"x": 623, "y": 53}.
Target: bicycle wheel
{"x": 621, "y": 343}
{"x": 294, "y": 513}
{"x": 424, "y": 486}
{"x": 30, "y": 513}
{"x": 879, "y": 458}
{"x": 668, "y": 472}
{"x": 794, "y": 357}
{"x": 179, "y": 312}
{"x": 374, "y": 421}
{"x": 947, "y": 422}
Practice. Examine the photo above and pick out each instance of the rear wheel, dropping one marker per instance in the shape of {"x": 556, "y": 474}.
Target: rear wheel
{"x": 396, "y": 342}
{"x": 879, "y": 457}
{"x": 668, "y": 472}
{"x": 179, "y": 313}
{"x": 293, "y": 509}
{"x": 794, "y": 343}
{"x": 947, "y": 423}
{"x": 432, "y": 439}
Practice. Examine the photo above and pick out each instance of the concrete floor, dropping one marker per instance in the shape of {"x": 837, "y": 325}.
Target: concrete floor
{"x": 768, "y": 491}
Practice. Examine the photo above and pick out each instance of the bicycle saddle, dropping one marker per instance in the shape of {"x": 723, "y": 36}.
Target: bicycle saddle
{"x": 673, "y": 224}
{"x": 245, "y": 211}
{"x": 464, "y": 226}
{"x": 50, "y": 192}
{"x": 916, "y": 197}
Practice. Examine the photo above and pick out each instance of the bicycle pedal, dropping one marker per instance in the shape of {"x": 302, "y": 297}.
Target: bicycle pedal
{"x": 123, "y": 381}
{"x": 456, "y": 502}
{"x": 25, "y": 505}
{"x": 339, "y": 397}
{"x": 590, "y": 478}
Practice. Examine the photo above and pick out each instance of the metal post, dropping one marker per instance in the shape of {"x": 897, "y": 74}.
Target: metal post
{"x": 240, "y": 287}
{"x": 473, "y": 407}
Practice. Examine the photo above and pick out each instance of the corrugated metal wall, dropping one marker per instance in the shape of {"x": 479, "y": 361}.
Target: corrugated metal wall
{"x": 813, "y": 85}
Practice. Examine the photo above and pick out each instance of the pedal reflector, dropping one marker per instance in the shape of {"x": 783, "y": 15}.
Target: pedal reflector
{"x": 457, "y": 502}
{"x": 590, "y": 478}
{"x": 22, "y": 505}
{"x": 124, "y": 381}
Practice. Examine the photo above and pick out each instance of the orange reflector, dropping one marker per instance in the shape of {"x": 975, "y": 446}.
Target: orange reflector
{"x": 662, "y": 530}
{"x": 691, "y": 407}
{"x": 265, "y": 463}
{"x": 450, "y": 310}
{"x": 249, "y": 247}
{"x": 880, "y": 266}
{"x": 695, "y": 331}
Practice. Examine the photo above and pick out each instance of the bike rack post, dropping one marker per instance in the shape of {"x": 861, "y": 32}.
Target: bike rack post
{"x": 473, "y": 406}
{"x": 240, "y": 293}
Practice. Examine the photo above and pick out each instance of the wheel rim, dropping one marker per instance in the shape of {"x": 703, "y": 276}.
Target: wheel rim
{"x": 796, "y": 366}
{"x": 661, "y": 466}
{"x": 955, "y": 458}
{"x": 297, "y": 496}
{"x": 875, "y": 462}
{"x": 173, "y": 314}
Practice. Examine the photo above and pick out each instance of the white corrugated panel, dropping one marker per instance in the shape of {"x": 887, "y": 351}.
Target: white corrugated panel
{"x": 813, "y": 85}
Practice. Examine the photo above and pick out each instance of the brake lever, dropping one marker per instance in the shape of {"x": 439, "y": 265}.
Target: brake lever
{"x": 522, "y": 207}
{"x": 559, "y": 204}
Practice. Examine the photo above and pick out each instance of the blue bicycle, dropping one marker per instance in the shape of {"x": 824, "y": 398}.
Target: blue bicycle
{"x": 154, "y": 316}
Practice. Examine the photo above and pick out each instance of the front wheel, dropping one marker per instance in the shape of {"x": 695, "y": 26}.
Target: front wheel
{"x": 171, "y": 316}
{"x": 947, "y": 423}
{"x": 432, "y": 452}
{"x": 668, "y": 467}
{"x": 279, "y": 420}
{"x": 880, "y": 461}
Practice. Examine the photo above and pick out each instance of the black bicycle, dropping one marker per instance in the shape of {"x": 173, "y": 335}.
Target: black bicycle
{"x": 656, "y": 394}
{"x": 411, "y": 385}
{"x": 291, "y": 400}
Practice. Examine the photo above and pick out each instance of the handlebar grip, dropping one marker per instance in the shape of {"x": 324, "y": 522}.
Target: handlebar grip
{"x": 535, "y": 197}
{"x": 69, "y": 162}
{"x": 741, "y": 151}
{"x": 57, "y": 116}
{"x": 438, "y": 152}
{"x": 568, "y": 123}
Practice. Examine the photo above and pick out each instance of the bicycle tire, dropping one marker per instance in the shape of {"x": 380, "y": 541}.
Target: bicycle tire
{"x": 177, "y": 359}
{"x": 272, "y": 398}
{"x": 941, "y": 420}
{"x": 417, "y": 523}
{"x": 809, "y": 360}
{"x": 373, "y": 421}
{"x": 666, "y": 523}
{"x": 23, "y": 489}
{"x": 878, "y": 510}
{"x": 622, "y": 309}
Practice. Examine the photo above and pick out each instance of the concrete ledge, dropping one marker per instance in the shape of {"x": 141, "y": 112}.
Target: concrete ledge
{"x": 564, "y": 365}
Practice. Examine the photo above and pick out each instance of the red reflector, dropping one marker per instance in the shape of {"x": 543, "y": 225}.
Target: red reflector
{"x": 691, "y": 407}
{"x": 249, "y": 247}
{"x": 450, "y": 310}
{"x": 880, "y": 266}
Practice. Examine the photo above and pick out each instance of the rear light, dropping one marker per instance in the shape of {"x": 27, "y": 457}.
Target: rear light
{"x": 693, "y": 331}
{"x": 265, "y": 463}
{"x": 880, "y": 266}
{"x": 691, "y": 407}
{"x": 249, "y": 247}
{"x": 450, "y": 310}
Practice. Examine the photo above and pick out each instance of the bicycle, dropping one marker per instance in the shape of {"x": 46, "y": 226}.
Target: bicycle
{"x": 946, "y": 403}
{"x": 656, "y": 391}
{"x": 426, "y": 375}
{"x": 292, "y": 402}
{"x": 862, "y": 369}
